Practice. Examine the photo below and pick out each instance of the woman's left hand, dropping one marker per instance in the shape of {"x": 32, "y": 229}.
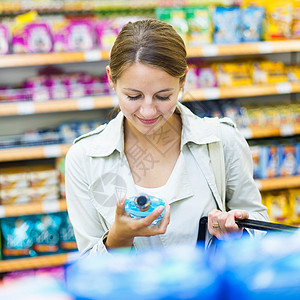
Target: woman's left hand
{"x": 220, "y": 223}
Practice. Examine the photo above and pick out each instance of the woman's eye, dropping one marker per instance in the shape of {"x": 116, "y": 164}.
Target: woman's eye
{"x": 163, "y": 98}
{"x": 134, "y": 97}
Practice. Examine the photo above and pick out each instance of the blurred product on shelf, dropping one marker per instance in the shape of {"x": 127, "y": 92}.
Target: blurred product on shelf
{"x": 52, "y": 83}
{"x": 29, "y": 236}
{"x": 65, "y": 133}
{"x": 29, "y": 184}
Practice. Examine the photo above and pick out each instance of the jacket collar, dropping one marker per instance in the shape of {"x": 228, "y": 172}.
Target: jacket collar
{"x": 194, "y": 129}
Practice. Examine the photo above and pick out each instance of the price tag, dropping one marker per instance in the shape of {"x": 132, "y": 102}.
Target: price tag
{"x": 287, "y": 130}
{"x": 246, "y": 132}
{"x": 51, "y": 206}
{"x": 115, "y": 100}
{"x": 92, "y": 55}
{"x": 284, "y": 88}
{"x": 211, "y": 93}
{"x": 52, "y": 151}
{"x": 25, "y": 108}
{"x": 265, "y": 47}
{"x": 85, "y": 103}
{"x": 2, "y": 211}
{"x": 209, "y": 50}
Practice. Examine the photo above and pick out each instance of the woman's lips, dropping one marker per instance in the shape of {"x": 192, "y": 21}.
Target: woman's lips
{"x": 148, "y": 121}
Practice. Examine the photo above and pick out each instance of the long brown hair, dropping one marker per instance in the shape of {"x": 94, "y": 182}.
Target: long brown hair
{"x": 150, "y": 42}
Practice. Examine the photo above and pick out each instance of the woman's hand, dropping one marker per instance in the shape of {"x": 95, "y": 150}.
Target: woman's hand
{"x": 125, "y": 229}
{"x": 220, "y": 224}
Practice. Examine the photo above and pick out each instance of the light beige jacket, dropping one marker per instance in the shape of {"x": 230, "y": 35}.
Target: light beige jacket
{"x": 97, "y": 174}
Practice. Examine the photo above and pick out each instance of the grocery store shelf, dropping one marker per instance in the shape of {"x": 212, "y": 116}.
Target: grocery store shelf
{"x": 37, "y": 59}
{"x": 278, "y": 183}
{"x": 245, "y": 48}
{"x": 109, "y": 101}
{"x": 33, "y": 152}
{"x": 286, "y": 130}
{"x": 15, "y": 210}
{"x": 33, "y": 59}
{"x": 241, "y": 91}
{"x": 30, "y": 107}
{"x": 53, "y": 260}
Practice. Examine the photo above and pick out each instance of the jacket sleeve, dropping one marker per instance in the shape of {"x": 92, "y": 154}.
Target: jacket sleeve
{"x": 89, "y": 227}
{"x": 241, "y": 190}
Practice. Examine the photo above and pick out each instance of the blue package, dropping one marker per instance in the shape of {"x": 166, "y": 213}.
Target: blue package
{"x": 269, "y": 161}
{"x": 262, "y": 269}
{"x": 66, "y": 233}
{"x": 17, "y": 236}
{"x": 46, "y": 234}
{"x": 173, "y": 273}
{"x": 253, "y": 18}
{"x": 227, "y": 25}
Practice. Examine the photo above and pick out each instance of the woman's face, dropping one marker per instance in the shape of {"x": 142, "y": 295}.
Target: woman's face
{"x": 147, "y": 96}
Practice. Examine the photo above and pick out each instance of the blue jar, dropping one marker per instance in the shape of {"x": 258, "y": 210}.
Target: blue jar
{"x": 143, "y": 205}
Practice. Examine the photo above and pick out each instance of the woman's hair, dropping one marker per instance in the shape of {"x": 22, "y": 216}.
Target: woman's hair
{"x": 151, "y": 42}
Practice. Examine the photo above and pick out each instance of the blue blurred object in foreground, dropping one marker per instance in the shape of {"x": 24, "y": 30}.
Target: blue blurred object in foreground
{"x": 177, "y": 273}
{"x": 143, "y": 205}
{"x": 266, "y": 269}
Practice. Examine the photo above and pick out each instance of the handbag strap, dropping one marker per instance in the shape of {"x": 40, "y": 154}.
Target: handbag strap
{"x": 216, "y": 154}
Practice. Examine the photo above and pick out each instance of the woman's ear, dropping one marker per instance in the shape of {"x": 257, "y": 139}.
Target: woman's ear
{"x": 183, "y": 83}
{"x": 111, "y": 84}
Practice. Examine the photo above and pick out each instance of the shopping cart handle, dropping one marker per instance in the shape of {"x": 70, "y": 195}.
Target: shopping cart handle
{"x": 266, "y": 226}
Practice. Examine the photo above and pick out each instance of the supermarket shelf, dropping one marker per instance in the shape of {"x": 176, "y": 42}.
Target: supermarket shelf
{"x": 244, "y": 48}
{"x": 30, "y": 107}
{"x": 278, "y": 183}
{"x": 53, "y": 260}
{"x": 286, "y": 130}
{"x": 37, "y": 59}
{"x": 15, "y": 210}
{"x": 33, "y": 59}
{"x": 109, "y": 101}
{"x": 241, "y": 91}
{"x": 33, "y": 152}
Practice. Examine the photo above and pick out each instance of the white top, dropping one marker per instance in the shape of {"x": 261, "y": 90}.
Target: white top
{"x": 163, "y": 191}
{"x": 98, "y": 174}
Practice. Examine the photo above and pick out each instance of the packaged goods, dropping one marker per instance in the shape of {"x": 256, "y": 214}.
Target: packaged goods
{"x": 268, "y": 72}
{"x": 199, "y": 26}
{"x": 277, "y": 203}
{"x": 269, "y": 157}
{"x": 227, "y": 25}
{"x": 177, "y": 273}
{"x": 287, "y": 160}
{"x": 67, "y": 241}
{"x": 252, "y": 18}
{"x": 232, "y": 73}
{"x": 46, "y": 233}
{"x": 17, "y": 237}
{"x": 4, "y": 40}
{"x": 279, "y": 17}
{"x": 294, "y": 199}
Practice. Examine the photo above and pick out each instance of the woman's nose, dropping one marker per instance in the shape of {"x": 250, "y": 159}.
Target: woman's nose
{"x": 148, "y": 108}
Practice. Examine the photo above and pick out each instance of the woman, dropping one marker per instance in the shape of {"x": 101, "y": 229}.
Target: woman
{"x": 155, "y": 145}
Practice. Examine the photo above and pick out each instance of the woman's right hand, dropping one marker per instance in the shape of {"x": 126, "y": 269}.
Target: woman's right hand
{"x": 125, "y": 229}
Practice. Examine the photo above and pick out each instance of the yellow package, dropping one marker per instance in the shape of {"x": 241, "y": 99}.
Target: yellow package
{"x": 294, "y": 198}
{"x": 268, "y": 72}
{"x": 286, "y": 115}
{"x": 296, "y": 20}
{"x": 278, "y": 207}
{"x": 271, "y": 116}
{"x": 256, "y": 117}
{"x": 293, "y": 72}
{"x": 232, "y": 74}
{"x": 279, "y": 16}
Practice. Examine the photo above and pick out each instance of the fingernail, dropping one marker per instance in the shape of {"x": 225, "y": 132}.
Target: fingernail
{"x": 161, "y": 209}
{"x": 239, "y": 215}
